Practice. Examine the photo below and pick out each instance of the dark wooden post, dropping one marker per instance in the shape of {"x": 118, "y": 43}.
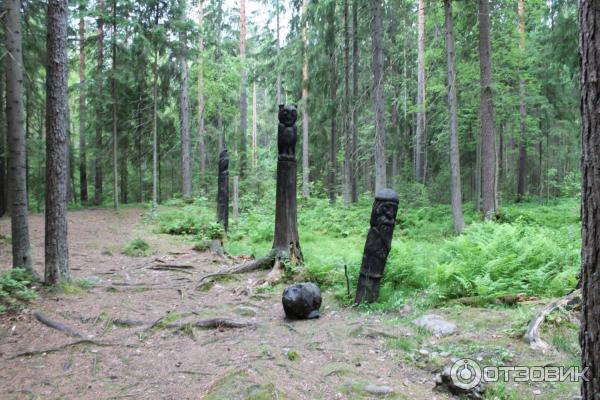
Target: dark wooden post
{"x": 2, "y": 186}
{"x": 223, "y": 191}
{"x": 378, "y": 245}
{"x": 286, "y": 242}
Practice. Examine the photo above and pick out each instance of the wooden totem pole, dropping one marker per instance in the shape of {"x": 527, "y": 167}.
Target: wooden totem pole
{"x": 378, "y": 245}
{"x": 223, "y": 191}
{"x": 286, "y": 242}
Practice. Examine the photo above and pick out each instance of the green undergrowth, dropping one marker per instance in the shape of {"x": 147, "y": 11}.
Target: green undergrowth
{"x": 137, "y": 248}
{"x": 530, "y": 248}
{"x": 15, "y": 289}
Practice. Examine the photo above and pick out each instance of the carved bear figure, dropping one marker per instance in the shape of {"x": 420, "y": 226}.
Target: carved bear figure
{"x": 286, "y": 133}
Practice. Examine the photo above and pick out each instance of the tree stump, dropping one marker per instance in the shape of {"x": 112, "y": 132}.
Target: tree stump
{"x": 377, "y": 246}
{"x": 286, "y": 241}
{"x": 223, "y": 191}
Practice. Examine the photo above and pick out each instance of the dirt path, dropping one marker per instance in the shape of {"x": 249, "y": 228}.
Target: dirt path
{"x": 334, "y": 357}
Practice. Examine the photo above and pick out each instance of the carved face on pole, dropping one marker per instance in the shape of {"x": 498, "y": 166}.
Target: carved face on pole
{"x": 287, "y": 114}
{"x": 385, "y": 209}
{"x": 286, "y": 132}
{"x": 223, "y": 161}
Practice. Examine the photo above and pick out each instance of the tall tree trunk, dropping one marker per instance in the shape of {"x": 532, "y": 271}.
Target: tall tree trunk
{"x": 57, "y": 145}
{"x": 378, "y": 102}
{"x": 522, "y": 173}
{"x": 254, "y": 127}
{"x": 330, "y": 34}
{"x": 243, "y": 95}
{"x": 488, "y": 136}
{"x": 124, "y": 159}
{"x": 3, "y": 143}
{"x": 354, "y": 118}
{"x": 278, "y": 44}
{"x": 83, "y": 193}
{"x": 346, "y": 120}
{"x": 114, "y": 108}
{"x": 21, "y": 249}
{"x": 186, "y": 176}
{"x": 457, "y": 214}
{"x": 589, "y": 45}
{"x": 220, "y": 128}
{"x": 305, "y": 166}
{"x": 477, "y": 191}
{"x": 155, "y": 122}
{"x": 98, "y": 178}
{"x": 421, "y": 116}
{"x": 201, "y": 133}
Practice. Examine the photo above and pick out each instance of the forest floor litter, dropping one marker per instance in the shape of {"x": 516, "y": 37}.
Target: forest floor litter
{"x": 143, "y": 328}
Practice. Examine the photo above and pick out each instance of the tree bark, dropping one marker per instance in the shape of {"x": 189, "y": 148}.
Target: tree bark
{"x": 305, "y": 116}
{"x": 243, "y": 94}
{"x": 155, "y": 122}
{"x": 421, "y": 116}
{"x": 83, "y": 193}
{"x": 3, "y": 143}
{"x": 488, "y": 136}
{"x": 201, "y": 133}
{"x": 378, "y": 101}
{"x": 98, "y": 178}
{"x": 17, "y": 184}
{"x": 457, "y": 214}
{"x": 278, "y": 46}
{"x": 186, "y": 175}
{"x": 254, "y": 127}
{"x": 57, "y": 145}
{"x": 114, "y": 108}
{"x": 346, "y": 118}
{"x": 354, "y": 119}
{"x": 589, "y": 47}
{"x": 522, "y": 172}
{"x": 330, "y": 34}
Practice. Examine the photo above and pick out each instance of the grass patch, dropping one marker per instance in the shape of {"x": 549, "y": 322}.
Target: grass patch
{"x": 137, "y": 248}
{"x": 75, "y": 287}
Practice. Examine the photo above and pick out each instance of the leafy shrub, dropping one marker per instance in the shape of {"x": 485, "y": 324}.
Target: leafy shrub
{"x": 15, "y": 288}
{"x": 137, "y": 248}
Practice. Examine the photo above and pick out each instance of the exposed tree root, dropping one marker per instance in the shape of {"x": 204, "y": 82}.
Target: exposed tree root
{"x": 55, "y": 324}
{"x": 218, "y": 322}
{"x": 63, "y": 347}
{"x": 172, "y": 266}
{"x": 532, "y": 336}
{"x": 265, "y": 262}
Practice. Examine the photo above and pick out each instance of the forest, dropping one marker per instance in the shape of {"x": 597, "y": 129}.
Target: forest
{"x": 304, "y": 199}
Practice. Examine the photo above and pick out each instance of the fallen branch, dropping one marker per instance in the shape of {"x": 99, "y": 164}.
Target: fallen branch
{"x": 55, "y": 325}
{"x": 63, "y": 347}
{"x": 265, "y": 262}
{"x": 532, "y": 336}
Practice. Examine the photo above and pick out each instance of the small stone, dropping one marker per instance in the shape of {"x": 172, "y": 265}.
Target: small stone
{"x": 405, "y": 310}
{"x": 423, "y": 352}
{"x": 537, "y": 392}
{"x": 436, "y": 325}
{"x": 378, "y": 390}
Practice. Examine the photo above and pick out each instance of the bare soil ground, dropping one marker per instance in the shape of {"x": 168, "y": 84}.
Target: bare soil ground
{"x": 334, "y": 357}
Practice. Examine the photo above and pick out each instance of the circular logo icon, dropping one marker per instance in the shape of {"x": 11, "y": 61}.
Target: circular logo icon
{"x": 466, "y": 373}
